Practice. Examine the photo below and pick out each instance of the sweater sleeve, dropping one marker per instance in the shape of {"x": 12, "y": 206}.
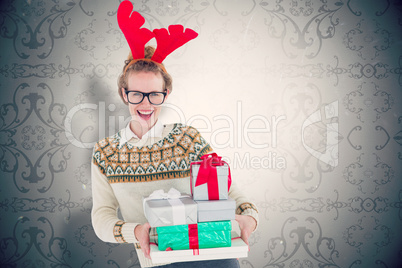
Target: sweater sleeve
{"x": 107, "y": 226}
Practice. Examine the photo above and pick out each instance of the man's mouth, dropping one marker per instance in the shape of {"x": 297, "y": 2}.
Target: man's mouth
{"x": 146, "y": 115}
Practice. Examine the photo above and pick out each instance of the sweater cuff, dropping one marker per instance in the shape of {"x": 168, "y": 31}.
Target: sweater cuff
{"x": 124, "y": 232}
{"x": 128, "y": 232}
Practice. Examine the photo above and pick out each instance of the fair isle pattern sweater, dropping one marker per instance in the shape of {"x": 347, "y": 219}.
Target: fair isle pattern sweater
{"x": 123, "y": 173}
{"x": 168, "y": 158}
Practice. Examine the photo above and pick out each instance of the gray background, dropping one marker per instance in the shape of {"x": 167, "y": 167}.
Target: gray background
{"x": 253, "y": 61}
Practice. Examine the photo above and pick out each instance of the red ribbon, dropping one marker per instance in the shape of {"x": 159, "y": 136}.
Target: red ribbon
{"x": 208, "y": 174}
{"x": 193, "y": 238}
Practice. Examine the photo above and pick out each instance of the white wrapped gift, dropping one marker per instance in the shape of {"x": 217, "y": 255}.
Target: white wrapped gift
{"x": 171, "y": 208}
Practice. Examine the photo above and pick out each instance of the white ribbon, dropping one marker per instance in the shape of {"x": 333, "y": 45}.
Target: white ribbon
{"x": 160, "y": 194}
{"x": 178, "y": 211}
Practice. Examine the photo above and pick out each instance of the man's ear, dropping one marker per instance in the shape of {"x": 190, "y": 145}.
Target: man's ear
{"x": 167, "y": 94}
{"x": 124, "y": 95}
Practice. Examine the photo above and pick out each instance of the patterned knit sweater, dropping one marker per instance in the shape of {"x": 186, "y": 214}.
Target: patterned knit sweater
{"x": 125, "y": 172}
{"x": 168, "y": 158}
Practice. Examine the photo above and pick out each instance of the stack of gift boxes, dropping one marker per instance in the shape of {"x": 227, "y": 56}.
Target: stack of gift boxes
{"x": 200, "y": 221}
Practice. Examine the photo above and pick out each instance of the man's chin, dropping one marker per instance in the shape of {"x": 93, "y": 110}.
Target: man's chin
{"x": 145, "y": 124}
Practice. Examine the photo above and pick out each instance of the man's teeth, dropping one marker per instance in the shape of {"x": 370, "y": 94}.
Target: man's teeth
{"x": 145, "y": 112}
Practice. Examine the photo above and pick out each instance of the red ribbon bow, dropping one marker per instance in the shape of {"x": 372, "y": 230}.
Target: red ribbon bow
{"x": 208, "y": 174}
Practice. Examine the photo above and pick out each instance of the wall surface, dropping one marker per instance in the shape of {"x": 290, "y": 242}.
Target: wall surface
{"x": 302, "y": 97}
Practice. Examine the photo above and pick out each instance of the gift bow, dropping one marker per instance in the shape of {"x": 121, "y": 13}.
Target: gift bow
{"x": 208, "y": 174}
{"x": 160, "y": 194}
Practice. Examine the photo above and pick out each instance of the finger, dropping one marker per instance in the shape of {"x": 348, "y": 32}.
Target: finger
{"x": 146, "y": 250}
{"x": 245, "y": 239}
{"x": 146, "y": 242}
{"x": 244, "y": 236}
{"x": 147, "y": 254}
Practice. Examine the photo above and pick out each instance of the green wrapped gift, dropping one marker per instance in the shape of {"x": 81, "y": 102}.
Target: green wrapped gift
{"x": 214, "y": 234}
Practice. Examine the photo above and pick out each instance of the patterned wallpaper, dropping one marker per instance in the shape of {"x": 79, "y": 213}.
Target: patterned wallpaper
{"x": 302, "y": 98}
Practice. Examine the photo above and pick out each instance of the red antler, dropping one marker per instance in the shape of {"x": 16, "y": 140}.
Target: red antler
{"x": 167, "y": 43}
{"x": 130, "y": 26}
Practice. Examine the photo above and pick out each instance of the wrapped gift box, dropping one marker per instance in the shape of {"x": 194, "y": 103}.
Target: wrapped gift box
{"x": 210, "y": 178}
{"x": 195, "y": 236}
{"x": 216, "y": 210}
{"x": 170, "y": 211}
{"x": 238, "y": 249}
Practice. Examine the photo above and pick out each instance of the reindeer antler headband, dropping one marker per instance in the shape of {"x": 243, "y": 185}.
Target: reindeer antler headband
{"x": 137, "y": 37}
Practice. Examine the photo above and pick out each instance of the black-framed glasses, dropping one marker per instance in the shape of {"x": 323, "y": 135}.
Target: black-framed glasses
{"x": 136, "y": 97}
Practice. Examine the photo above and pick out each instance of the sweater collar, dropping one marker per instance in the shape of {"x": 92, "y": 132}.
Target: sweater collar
{"x": 155, "y": 132}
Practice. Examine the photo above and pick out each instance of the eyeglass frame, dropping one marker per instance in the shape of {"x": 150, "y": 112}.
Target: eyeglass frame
{"x": 145, "y": 95}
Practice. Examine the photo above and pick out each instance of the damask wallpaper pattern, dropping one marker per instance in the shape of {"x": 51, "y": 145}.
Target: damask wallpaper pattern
{"x": 302, "y": 97}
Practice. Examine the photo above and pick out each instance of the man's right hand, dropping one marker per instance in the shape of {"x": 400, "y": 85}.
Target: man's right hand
{"x": 141, "y": 232}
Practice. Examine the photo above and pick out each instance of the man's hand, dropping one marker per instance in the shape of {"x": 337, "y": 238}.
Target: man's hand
{"x": 141, "y": 232}
{"x": 247, "y": 225}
